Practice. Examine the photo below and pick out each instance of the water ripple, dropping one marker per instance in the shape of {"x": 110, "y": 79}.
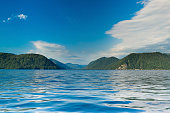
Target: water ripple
{"x": 41, "y": 91}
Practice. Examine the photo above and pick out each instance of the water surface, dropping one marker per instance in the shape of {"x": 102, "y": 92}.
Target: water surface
{"x": 82, "y": 91}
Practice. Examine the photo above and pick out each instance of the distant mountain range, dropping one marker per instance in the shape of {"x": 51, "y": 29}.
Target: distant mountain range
{"x": 67, "y": 65}
{"x": 60, "y": 64}
{"x": 75, "y": 66}
{"x": 134, "y": 61}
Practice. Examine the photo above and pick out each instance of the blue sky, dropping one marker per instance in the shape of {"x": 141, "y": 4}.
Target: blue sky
{"x": 75, "y": 31}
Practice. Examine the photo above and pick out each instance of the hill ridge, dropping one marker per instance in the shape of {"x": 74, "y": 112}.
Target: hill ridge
{"x": 142, "y": 61}
{"x": 25, "y": 61}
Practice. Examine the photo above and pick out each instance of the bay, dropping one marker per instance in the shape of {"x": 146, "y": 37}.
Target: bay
{"x": 83, "y": 91}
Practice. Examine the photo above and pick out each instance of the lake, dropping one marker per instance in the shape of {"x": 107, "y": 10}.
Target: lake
{"x": 83, "y": 91}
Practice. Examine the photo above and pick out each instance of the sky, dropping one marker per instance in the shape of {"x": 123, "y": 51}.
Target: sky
{"x": 80, "y": 31}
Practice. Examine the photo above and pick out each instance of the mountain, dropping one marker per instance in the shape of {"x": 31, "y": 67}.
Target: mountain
{"x": 102, "y": 63}
{"x": 143, "y": 61}
{"x": 25, "y": 61}
{"x": 60, "y": 64}
{"x": 75, "y": 66}
{"x": 168, "y": 54}
{"x": 67, "y": 66}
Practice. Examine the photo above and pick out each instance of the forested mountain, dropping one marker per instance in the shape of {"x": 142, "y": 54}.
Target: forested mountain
{"x": 143, "y": 61}
{"x": 25, "y": 61}
{"x": 168, "y": 54}
{"x": 102, "y": 63}
{"x": 146, "y": 61}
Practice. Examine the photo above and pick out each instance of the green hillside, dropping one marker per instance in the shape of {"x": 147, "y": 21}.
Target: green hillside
{"x": 142, "y": 61}
{"x": 102, "y": 63}
{"x": 25, "y": 61}
{"x": 146, "y": 61}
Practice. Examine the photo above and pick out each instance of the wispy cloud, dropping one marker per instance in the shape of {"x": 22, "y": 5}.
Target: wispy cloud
{"x": 56, "y": 51}
{"x": 143, "y": 2}
{"x": 148, "y": 28}
{"x": 20, "y": 16}
{"x": 49, "y": 49}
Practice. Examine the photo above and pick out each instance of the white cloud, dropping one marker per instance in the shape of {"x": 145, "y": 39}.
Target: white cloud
{"x": 48, "y": 49}
{"x": 56, "y": 51}
{"x": 22, "y": 16}
{"x": 150, "y": 26}
{"x": 8, "y": 19}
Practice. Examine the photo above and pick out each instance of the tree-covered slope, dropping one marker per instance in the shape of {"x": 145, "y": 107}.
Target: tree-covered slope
{"x": 25, "y": 61}
{"x": 102, "y": 63}
{"x": 146, "y": 61}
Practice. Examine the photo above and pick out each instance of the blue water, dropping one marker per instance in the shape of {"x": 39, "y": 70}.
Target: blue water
{"x": 83, "y": 91}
